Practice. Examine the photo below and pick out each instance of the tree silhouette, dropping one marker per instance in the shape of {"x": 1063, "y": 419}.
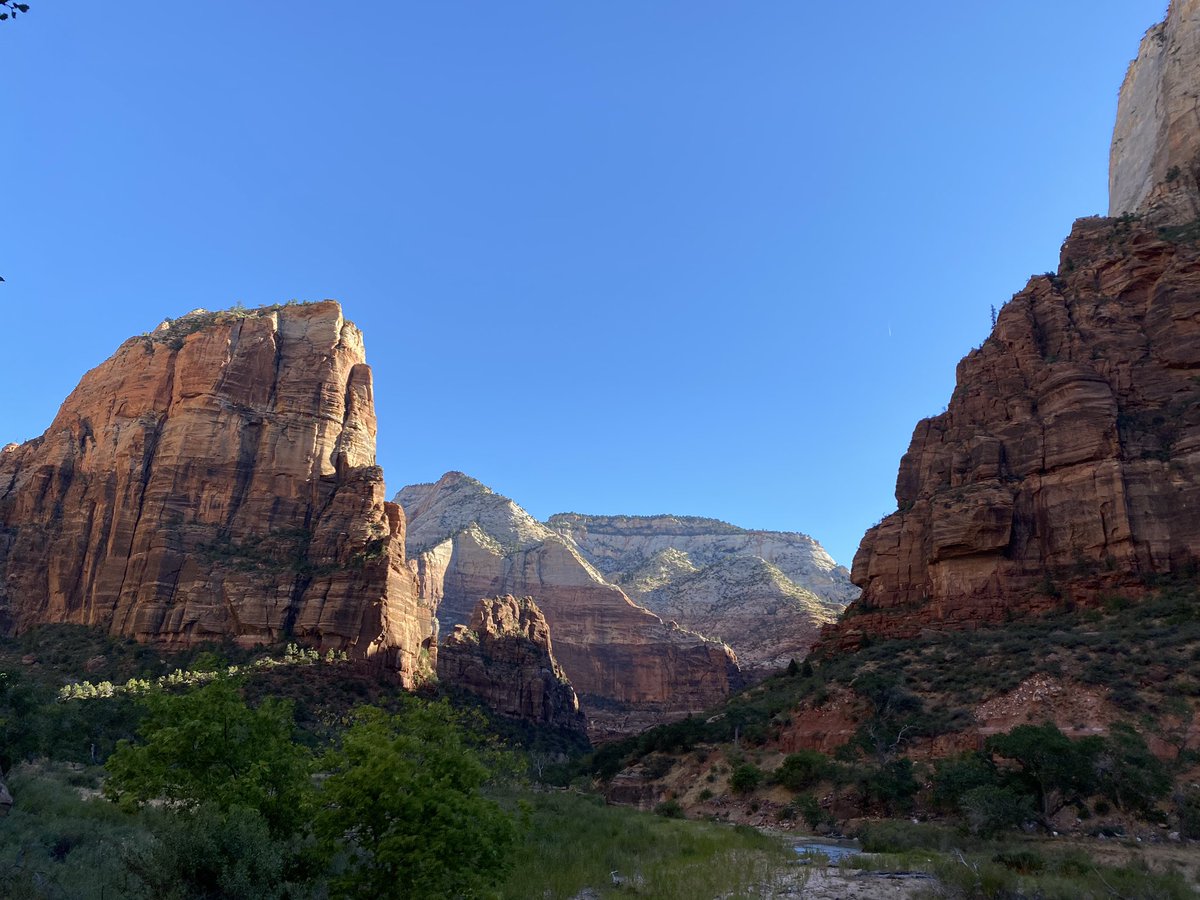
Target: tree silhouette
{"x": 11, "y": 9}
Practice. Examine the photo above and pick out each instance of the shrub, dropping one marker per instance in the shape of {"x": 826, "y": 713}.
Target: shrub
{"x": 210, "y": 852}
{"x": 955, "y": 776}
{"x": 669, "y": 809}
{"x": 990, "y": 808}
{"x": 892, "y": 785}
{"x": 745, "y": 778}
{"x": 1187, "y": 807}
{"x": 1023, "y": 862}
{"x": 810, "y": 809}
{"x": 900, "y": 837}
{"x": 802, "y": 770}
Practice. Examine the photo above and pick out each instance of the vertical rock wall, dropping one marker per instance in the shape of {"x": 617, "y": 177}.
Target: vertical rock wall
{"x": 215, "y": 479}
{"x": 1155, "y": 158}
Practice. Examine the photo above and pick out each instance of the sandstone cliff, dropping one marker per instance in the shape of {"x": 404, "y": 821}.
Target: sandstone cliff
{"x": 1067, "y": 463}
{"x": 217, "y": 478}
{"x": 1155, "y": 158}
{"x": 764, "y": 593}
{"x": 504, "y": 656}
{"x": 630, "y": 668}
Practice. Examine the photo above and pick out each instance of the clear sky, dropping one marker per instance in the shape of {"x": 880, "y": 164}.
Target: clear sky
{"x": 711, "y": 258}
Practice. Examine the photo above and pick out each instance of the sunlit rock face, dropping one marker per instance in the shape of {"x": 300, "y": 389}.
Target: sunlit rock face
{"x": 1155, "y": 161}
{"x": 765, "y": 593}
{"x": 216, "y": 479}
{"x": 1067, "y": 463}
{"x": 631, "y": 669}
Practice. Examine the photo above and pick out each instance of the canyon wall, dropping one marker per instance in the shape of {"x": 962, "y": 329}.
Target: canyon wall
{"x": 631, "y": 669}
{"x": 765, "y": 593}
{"x": 1155, "y": 158}
{"x": 1067, "y": 464}
{"x": 1066, "y": 467}
{"x": 216, "y": 479}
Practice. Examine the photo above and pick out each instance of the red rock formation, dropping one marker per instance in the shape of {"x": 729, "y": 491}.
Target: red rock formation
{"x": 630, "y": 668}
{"x": 505, "y": 657}
{"x": 1067, "y": 463}
{"x": 216, "y": 479}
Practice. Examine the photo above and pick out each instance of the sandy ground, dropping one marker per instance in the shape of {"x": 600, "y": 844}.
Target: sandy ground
{"x": 834, "y": 884}
{"x": 831, "y": 884}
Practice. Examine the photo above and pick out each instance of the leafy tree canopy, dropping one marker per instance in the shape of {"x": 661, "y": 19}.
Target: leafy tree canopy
{"x": 404, "y": 795}
{"x": 208, "y": 746}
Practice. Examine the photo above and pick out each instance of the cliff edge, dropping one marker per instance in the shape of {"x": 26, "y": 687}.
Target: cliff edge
{"x": 216, "y": 478}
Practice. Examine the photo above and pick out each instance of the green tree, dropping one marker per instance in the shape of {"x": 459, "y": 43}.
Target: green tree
{"x": 1128, "y": 773}
{"x": 955, "y": 776}
{"x": 893, "y": 785}
{"x": 403, "y": 807}
{"x": 18, "y": 707}
{"x": 1050, "y": 766}
{"x": 208, "y": 746}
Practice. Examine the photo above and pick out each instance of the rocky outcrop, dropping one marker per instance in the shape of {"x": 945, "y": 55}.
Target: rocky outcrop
{"x": 1155, "y": 159}
{"x": 216, "y": 479}
{"x": 504, "y": 656}
{"x": 630, "y": 668}
{"x": 1067, "y": 463}
{"x": 764, "y": 593}
{"x": 620, "y": 546}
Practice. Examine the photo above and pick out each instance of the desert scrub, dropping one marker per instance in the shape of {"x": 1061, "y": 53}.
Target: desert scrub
{"x": 573, "y": 841}
{"x": 55, "y": 844}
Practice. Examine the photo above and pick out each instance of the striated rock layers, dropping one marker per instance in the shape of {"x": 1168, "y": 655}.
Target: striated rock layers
{"x": 215, "y": 479}
{"x": 1155, "y": 159}
{"x": 504, "y": 657}
{"x": 764, "y": 593}
{"x": 1067, "y": 463}
{"x": 630, "y": 668}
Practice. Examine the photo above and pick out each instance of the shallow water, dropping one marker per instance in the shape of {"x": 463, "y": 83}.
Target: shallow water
{"x": 834, "y": 850}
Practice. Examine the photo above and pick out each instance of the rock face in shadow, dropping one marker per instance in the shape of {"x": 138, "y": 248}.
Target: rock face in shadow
{"x": 505, "y": 657}
{"x": 1067, "y": 463}
{"x": 217, "y": 479}
{"x": 765, "y": 593}
{"x": 630, "y": 668}
{"x": 1155, "y": 161}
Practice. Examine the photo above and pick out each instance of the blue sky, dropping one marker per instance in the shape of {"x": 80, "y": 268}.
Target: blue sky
{"x": 712, "y": 258}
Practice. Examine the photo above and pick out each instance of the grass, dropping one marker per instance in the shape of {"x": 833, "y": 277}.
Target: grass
{"x": 57, "y": 844}
{"x": 574, "y": 842}
{"x": 1014, "y": 867}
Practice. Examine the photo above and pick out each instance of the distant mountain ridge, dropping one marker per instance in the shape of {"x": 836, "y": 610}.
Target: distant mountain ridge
{"x": 618, "y": 545}
{"x": 765, "y": 593}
